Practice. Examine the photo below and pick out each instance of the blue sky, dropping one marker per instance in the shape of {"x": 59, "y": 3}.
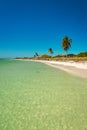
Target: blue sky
{"x": 29, "y": 26}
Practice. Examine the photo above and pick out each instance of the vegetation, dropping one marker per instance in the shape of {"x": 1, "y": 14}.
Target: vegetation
{"x": 66, "y": 43}
{"x": 83, "y": 54}
{"x": 50, "y": 50}
{"x": 76, "y": 57}
{"x": 36, "y": 54}
{"x": 45, "y": 56}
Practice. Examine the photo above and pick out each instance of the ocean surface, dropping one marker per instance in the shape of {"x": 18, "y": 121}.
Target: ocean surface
{"x": 34, "y": 96}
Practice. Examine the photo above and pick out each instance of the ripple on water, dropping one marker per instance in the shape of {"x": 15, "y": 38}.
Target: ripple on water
{"x": 34, "y": 96}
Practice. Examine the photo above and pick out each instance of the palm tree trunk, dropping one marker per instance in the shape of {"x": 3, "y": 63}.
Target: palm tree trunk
{"x": 66, "y": 53}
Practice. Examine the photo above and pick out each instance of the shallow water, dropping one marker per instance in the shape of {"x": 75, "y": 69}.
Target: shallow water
{"x": 34, "y": 96}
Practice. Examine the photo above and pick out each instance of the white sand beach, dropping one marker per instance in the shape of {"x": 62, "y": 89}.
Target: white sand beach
{"x": 78, "y": 68}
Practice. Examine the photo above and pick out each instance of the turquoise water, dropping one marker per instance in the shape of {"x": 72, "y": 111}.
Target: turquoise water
{"x": 34, "y": 96}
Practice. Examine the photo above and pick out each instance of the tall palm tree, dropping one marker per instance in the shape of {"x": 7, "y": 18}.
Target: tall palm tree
{"x": 50, "y": 50}
{"x": 66, "y": 43}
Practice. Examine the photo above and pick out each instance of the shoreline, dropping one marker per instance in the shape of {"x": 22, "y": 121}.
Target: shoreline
{"x": 72, "y": 67}
{"x": 77, "y": 69}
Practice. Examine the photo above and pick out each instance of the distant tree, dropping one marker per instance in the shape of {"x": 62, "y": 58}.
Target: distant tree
{"x": 36, "y": 55}
{"x": 82, "y": 54}
{"x": 45, "y": 56}
{"x": 50, "y": 50}
{"x": 66, "y": 43}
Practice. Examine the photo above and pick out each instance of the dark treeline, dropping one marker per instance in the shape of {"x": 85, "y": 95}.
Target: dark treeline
{"x": 82, "y": 54}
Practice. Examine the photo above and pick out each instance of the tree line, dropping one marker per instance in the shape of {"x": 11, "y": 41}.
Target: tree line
{"x": 66, "y": 44}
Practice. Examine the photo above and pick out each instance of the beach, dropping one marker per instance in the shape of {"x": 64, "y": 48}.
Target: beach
{"x": 75, "y": 68}
{"x": 43, "y": 65}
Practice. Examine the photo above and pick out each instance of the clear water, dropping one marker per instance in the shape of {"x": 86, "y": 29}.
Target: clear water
{"x": 34, "y": 96}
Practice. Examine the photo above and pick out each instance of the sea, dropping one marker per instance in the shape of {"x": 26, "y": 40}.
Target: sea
{"x": 35, "y": 96}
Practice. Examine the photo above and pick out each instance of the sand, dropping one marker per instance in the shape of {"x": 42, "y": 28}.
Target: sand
{"x": 75, "y": 68}
{"x": 34, "y": 96}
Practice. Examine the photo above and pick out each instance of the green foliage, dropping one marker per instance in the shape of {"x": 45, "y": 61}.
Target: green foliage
{"x": 82, "y": 54}
{"x": 50, "y": 50}
{"x": 66, "y": 43}
{"x": 45, "y": 56}
{"x": 36, "y": 54}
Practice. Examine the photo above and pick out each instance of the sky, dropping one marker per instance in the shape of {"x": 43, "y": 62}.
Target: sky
{"x": 29, "y": 26}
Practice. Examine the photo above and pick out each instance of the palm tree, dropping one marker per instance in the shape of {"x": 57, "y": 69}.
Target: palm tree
{"x": 36, "y": 55}
{"x": 50, "y": 50}
{"x": 66, "y": 43}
